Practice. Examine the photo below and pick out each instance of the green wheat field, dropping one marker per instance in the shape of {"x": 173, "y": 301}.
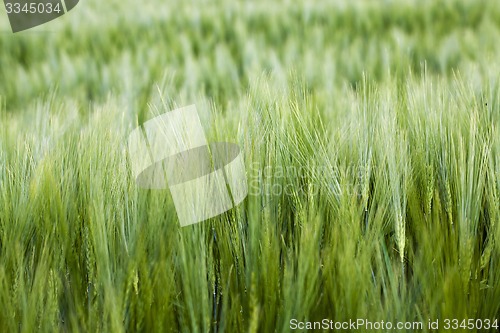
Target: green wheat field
{"x": 370, "y": 132}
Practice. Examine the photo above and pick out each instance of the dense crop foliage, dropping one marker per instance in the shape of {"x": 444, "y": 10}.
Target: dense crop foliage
{"x": 370, "y": 132}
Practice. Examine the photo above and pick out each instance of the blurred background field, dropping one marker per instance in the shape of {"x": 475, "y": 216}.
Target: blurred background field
{"x": 388, "y": 113}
